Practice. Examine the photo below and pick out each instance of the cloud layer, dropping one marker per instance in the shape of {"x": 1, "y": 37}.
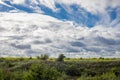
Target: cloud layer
{"x": 84, "y": 12}
{"x": 76, "y": 28}
{"x": 93, "y": 6}
{"x": 24, "y": 34}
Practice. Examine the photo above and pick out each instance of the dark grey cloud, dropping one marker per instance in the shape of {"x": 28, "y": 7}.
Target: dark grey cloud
{"x": 77, "y": 44}
{"x": 108, "y": 41}
{"x": 21, "y": 46}
{"x": 2, "y": 29}
{"x": 45, "y": 41}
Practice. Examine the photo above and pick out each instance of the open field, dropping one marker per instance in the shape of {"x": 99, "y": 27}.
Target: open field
{"x": 69, "y": 69}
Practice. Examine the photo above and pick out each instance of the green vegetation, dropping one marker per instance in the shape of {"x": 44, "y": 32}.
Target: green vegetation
{"x": 43, "y": 57}
{"x": 42, "y": 72}
{"x": 61, "y": 68}
{"x": 61, "y": 57}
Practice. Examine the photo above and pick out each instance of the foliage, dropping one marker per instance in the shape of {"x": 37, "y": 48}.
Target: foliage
{"x": 42, "y": 72}
{"x": 1, "y": 75}
{"x": 43, "y": 57}
{"x": 73, "y": 70}
{"x": 30, "y": 57}
{"x": 49, "y": 69}
{"x": 61, "y": 57}
{"x": 105, "y": 76}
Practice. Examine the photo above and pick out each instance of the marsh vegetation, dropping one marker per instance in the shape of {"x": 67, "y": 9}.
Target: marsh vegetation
{"x": 45, "y": 68}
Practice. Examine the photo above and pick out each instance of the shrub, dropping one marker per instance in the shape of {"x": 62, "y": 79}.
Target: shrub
{"x": 21, "y": 59}
{"x": 38, "y": 57}
{"x": 61, "y": 57}
{"x": 101, "y": 58}
{"x": 42, "y": 72}
{"x": 44, "y": 57}
{"x": 73, "y": 71}
{"x": 105, "y": 76}
{"x": 90, "y": 72}
{"x": 108, "y": 76}
{"x": 1, "y": 75}
{"x": 30, "y": 57}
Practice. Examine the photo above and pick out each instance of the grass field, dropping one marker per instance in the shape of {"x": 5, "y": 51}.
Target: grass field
{"x": 51, "y": 69}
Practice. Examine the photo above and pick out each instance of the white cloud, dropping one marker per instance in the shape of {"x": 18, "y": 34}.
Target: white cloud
{"x": 18, "y": 1}
{"x": 93, "y": 6}
{"x": 96, "y": 7}
{"x": 25, "y": 34}
{"x": 49, "y": 3}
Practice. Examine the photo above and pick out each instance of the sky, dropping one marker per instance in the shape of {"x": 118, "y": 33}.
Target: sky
{"x": 76, "y": 28}
{"x": 83, "y": 12}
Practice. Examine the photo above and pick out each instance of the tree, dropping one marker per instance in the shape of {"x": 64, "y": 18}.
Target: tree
{"x": 30, "y": 57}
{"x": 61, "y": 57}
{"x": 44, "y": 57}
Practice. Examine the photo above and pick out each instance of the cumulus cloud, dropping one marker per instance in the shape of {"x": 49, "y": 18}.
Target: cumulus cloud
{"x": 34, "y": 34}
{"x": 24, "y": 34}
{"x": 92, "y": 5}
{"x": 21, "y": 46}
{"x": 18, "y": 1}
{"x": 84, "y": 12}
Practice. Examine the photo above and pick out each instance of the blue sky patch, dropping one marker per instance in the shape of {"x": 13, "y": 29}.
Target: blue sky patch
{"x": 75, "y": 13}
{"x": 78, "y": 15}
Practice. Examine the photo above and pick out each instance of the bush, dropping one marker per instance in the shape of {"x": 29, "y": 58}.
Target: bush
{"x": 42, "y": 72}
{"x": 1, "y": 75}
{"x": 30, "y": 57}
{"x": 73, "y": 70}
{"x": 105, "y": 76}
{"x": 61, "y": 57}
{"x": 44, "y": 57}
{"x": 38, "y": 57}
{"x": 108, "y": 76}
{"x": 101, "y": 58}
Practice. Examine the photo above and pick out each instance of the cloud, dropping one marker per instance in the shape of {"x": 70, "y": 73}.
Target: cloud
{"x": 44, "y": 41}
{"x": 21, "y": 46}
{"x": 34, "y": 34}
{"x": 49, "y": 3}
{"x": 24, "y": 34}
{"x": 93, "y": 5}
{"x": 18, "y": 1}
{"x": 84, "y": 12}
{"x": 77, "y": 44}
